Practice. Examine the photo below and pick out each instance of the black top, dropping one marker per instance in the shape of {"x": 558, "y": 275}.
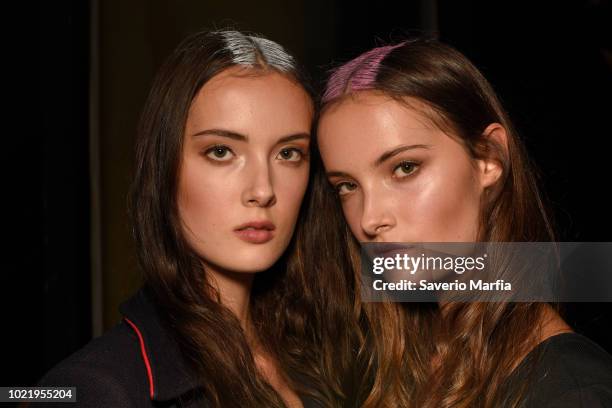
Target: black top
{"x": 569, "y": 371}
{"x": 135, "y": 364}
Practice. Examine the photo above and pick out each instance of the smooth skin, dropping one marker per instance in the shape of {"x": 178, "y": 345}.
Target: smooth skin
{"x": 245, "y": 159}
{"x": 400, "y": 178}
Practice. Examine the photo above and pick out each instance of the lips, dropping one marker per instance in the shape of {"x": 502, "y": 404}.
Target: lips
{"x": 391, "y": 249}
{"x": 256, "y": 232}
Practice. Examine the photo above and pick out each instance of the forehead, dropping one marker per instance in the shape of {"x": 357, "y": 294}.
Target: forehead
{"x": 244, "y": 100}
{"x": 366, "y": 124}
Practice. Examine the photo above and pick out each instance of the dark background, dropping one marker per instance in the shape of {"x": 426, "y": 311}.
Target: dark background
{"x": 69, "y": 260}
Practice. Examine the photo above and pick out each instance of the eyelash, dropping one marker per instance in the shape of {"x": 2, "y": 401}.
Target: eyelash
{"x": 352, "y": 186}
{"x": 338, "y": 186}
{"x": 301, "y": 153}
{"x": 210, "y": 153}
{"x": 214, "y": 148}
{"x": 414, "y": 167}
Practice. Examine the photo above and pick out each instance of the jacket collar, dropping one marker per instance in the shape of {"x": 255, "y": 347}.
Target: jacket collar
{"x": 167, "y": 372}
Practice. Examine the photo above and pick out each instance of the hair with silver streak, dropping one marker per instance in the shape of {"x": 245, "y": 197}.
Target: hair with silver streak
{"x": 305, "y": 337}
{"x": 255, "y": 51}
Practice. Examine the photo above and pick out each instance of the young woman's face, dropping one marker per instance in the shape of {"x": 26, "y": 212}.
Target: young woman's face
{"x": 399, "y": 177}
{"x": 244, "y": 168}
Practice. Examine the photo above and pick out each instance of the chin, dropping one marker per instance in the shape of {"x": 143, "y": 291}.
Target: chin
{"x": 245, "y": 258}
{"x": 251, "y": 267}
{"x": 254, "y": 261}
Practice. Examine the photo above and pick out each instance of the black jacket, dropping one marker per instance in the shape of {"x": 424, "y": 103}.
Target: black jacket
{"x": 135, "y": 364}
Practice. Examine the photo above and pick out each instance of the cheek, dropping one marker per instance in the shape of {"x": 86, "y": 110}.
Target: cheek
{"x": 289, "y": 187}
{"x": 203, "y": 200}
{"x": 352, "y": 210}
{"x": 442, "y": 207}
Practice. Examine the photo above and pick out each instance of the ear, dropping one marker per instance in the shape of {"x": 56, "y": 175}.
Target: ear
{"x": 490, "y": 167}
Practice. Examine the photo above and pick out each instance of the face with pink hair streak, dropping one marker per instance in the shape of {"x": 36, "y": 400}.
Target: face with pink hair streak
{"x": 399, "y": 176}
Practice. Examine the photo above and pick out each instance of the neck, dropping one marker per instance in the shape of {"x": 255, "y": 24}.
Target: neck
{"x": 234, "y": 290}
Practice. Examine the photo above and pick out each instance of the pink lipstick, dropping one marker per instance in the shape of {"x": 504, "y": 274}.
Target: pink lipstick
{"x": 256, "y": 232}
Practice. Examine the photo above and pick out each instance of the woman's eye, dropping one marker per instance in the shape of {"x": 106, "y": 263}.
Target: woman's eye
{"x": 404, "y": 169}
{"x": 290, "y": 154}
{"x": 219, "y": 153}
{"x": 345, "y": 187}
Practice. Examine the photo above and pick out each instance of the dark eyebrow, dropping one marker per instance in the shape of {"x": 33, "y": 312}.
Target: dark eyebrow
{"x": 241, "y": 137}
{"x": 290, "y": 138}
{"x": 222, "y": 133}
{"x": 389, "y": 154}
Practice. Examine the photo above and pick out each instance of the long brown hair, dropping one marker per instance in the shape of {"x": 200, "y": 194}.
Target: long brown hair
{"x": 294, "y": 306}
{"x": 412, "y": 354}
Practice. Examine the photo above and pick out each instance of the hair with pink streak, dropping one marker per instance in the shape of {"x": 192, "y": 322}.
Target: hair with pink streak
{"x": 477, "y": 344}
{"x": 357, "y": 74}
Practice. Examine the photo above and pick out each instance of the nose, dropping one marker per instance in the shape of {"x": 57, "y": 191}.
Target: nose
{"x": 259, "y": 191}
{"x": 376, "y": 218}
